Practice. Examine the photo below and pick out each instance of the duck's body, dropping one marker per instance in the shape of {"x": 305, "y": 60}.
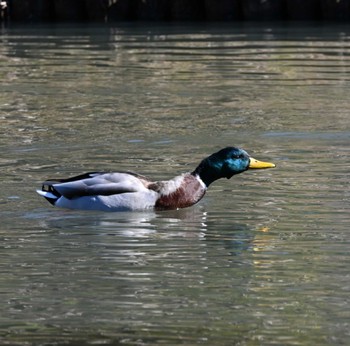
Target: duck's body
{"x": 127, "y": 191}
{"x": 120, "y": 191}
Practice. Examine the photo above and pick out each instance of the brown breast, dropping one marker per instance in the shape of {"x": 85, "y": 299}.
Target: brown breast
{"x": 188, "y": 193}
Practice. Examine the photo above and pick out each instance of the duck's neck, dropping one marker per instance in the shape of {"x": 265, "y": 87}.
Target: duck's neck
{"x": 206, "y": 172}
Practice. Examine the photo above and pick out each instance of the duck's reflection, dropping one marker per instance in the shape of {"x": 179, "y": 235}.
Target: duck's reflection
{"x": 149, "y": 227}
{"x": 130, "y": 224}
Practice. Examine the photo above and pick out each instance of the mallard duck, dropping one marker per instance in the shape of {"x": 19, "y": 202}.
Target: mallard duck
{"x": 127, "y": 191}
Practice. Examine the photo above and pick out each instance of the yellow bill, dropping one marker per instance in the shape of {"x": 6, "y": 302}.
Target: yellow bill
{"x": 255, "y": 164}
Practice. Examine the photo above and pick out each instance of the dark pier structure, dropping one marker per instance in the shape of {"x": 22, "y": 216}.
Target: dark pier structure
{"x": 30, "y": 11}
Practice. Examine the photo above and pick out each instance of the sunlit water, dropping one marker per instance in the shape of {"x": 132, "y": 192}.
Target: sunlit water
{"x": 263, "y": 259}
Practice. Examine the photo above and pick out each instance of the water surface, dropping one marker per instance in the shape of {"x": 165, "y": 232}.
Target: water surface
{"x": 262, "y": 260}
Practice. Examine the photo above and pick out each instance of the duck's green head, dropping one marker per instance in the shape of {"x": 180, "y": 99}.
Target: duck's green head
{"x": 226, "y": 163}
